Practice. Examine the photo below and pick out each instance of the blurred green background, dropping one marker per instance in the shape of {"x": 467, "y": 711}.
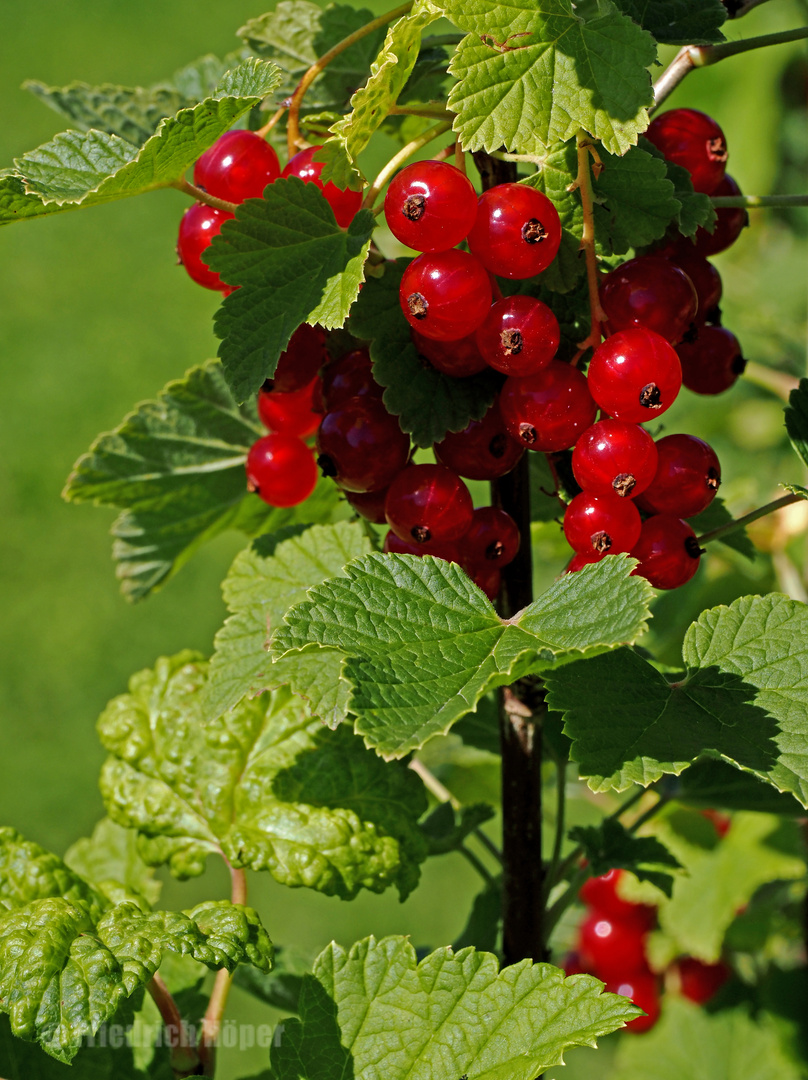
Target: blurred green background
{"x": 95, "y": 316}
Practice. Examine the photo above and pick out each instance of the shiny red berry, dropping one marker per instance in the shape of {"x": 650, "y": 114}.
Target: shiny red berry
{"x": 198, "y": 226}
{"x": 369, "y": 504}
{"x": 428, "y": 504}
{"x": 635, "y": 375}
{"x": 430, "y": 206}
{"x": 290, "y": 414}
{"x": 492, "y": 539}
{"x": 581, "y": 559}
{"x": 615, "y": 457}
{"x": 601, "y": 893}
{"x": 550, "y": 410}
{"x": 693, "y": 140}
{"x": 238, "y": 166}
{"x": 361, "y": 445}
{"x": 350, "y": 376}
{"x": 643, "y": 989}
{"x": 668, "y": 552}
{"x": 344, "y": 202}
{"x": 517, "y": 231}
{"x": 445, "y": 296}
{"x": 602, "y": 523}
{"x": 281, "y": 470}
{"x": 394, "y": 545}
{"x": 456, "y": 358}
{"x": 299, "y": 363}
{"x": 687, "y": 478}
{"x": 520, "y": 336}
{"x": 706, "y": 281}
{"x": 699, "y": 981}
{"x": 481, "y": 451}
{"x": 712, "y": 361}
{"x": 612, "y": 948}
{"x": 730, "y": 223}
{"x": 652, "y": 292}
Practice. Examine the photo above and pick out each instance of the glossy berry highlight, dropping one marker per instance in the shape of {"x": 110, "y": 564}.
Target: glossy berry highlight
{"x": 612, "y": 948}
{"x": 517, "y": 231}
{"x": 605, "y": 524}
{"x": 693, "y": 140}
{"x": 687, "y": 478}
{"x": 290, "y": 414}
{"x": 615, "y": 458}
{"x": 635, "y": 375}
{"x": 520, "y": 336}
{"x": 428, "y": 504}
{"x": 550, "y": 410}
{"x": 430, "y": 206}
{"x": 281, "y": 470}
{"x": 445, "y": 296}
{"x": 238, "y": 166}
{"x": 198, "y": 226}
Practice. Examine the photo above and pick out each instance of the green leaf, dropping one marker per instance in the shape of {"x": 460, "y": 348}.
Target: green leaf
{"x": 710, "y": 783}
{"x": 371, "y": 103}
{"x": 280, "y": 987}
{"x": 797, "y": 419}
{"x": 427, "y": 403}
{"x": 696, "y": 210}
{"x": 259, "y": 590}
{"x": 175, "y": 468}
{"x": 25, "y": 1061}
{"x": 714, "y": 517}
{"x": 424, "y": 643}
{"x": 29, "y": 873}
{"x": 461, "y": 1014}
{"x": 482, "y": 928}
{"x": 110, "y": 860}
{"x": 610, "y": 845}
{"x": 529, "y": 76}
{"x": 265, "y": 784}
{"x": 293, "y": 264}
{"x": 446, "y": 829}
{"x": 77, "y": 169}
{"x": 678, "y": 22}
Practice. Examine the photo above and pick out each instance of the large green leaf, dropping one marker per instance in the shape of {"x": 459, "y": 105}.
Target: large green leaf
{"x": 175, "y": 468}
{"x": 293, "y": 264}
{"x": 110, "y": 860}
{"x": 263, "y": 583}
{"x": 529, "y": 75}
{"x": 265, "y": 785}
{"x": 712, "y": 783}
{"x": 84, "y": 169}
{"x": 678, "y": 22}
{"x": 460, "y": 1016}
{"x": 797, "y": 419}
{"x": 23, "y": 1060}
{"x": 424, "y": 643}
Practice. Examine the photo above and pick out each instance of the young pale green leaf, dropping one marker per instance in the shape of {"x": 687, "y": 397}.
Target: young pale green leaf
{"x": 265, "y": 784}
{"x": 371, "y": 103}
{"x": 610, "y": 845}
{"x": 462, "y": 1016}
{"x": 797, "y": 419}
{"x": 427, "y": 403}
{"x": 175, "y": 468}
{"x": 678, "y": 22}
{"x": 423, "y": 643}
{"x": 110, "y": 860}
{"x": 528, "y": 76}
{"x": 259, "y": 590}
{"x": 716, "y": 515}
{"x": 293, "y": 264}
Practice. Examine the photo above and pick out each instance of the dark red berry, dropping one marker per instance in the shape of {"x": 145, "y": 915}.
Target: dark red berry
{"x": 712, "y": 361}
{"x": 687, "y": 478}
{"x": 612, "y": 948}
{"x": 291, "y": 414}
{"x": 602, "y": 523}
{"x": 730, "y": 223}
{"x": 613, "y": 457}
{"x": 635, "y": 375}
{"x": 198, "y": 226}
{"x": 299, "y": 363}
{"x": 361, "y": 445}
{"x": 581, "y": 559}
{"x": 668, "y": 552}
{"x": 699, "y": 981}
{"x": 238, "y": 166}
{"x": 643, "y": 989}
{"x": 344, "y": 202}
{"x": 350, "y": 376}
{"x": 652, "y": 292}
{"x": 428, "y": 504}
{"x": 706, "y": 281}
{"x": 445, "y": 296}
{"x": 520, "y": 336}
{"x": 486, "y": 578}
{"x": 492, "y": 539}
{"x": 550, "y": 410}
{"x": 456, "y": 358}
{"x": 482, "y": 451}
{"x": 369, "y": 504}
{"x": 693, "y": 140}
{"x": 430, "y": 206}
{"x": 601, "y": 893}
{"x": 394, "y": 545}
{"x": 281, "y": 470}
{"x": 517, "y": 231}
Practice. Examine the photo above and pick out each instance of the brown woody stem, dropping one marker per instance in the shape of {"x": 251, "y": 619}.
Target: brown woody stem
{"x": 583, "y": 183}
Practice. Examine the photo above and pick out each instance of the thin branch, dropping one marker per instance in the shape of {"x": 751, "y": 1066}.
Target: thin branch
{"x": 583, "y": 183}
{"x": 430, "y": 112}
{"x": 442, "y": 794}
{"x": 561, "y": 804}
{"x": 478, "y": 866}
{"x": 575, "y": 855}
{"x": 184, "y": 1058}
{"x": 747, "y": 519}
{"x": 270, "y": 124}
{"x": 202, "y": 196}
{"x": 778, "y": 382}
{"x": 744, "y": 8}
{"x": 398, "y": 160}
{"x": 759, "y": 200}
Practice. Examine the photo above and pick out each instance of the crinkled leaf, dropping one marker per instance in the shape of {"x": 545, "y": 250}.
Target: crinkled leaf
{"x": 427, "y": 403}
{"x": 462, "y": 1016}
{"x": 424, "y": 643}
{"x": 446, "y": 828}
{"x": 110, "y": 860}
{"x": 528, "y": 76}
{"x": 717, "y": 515}
{"x": 678, "y": 22}
{"x": 175, "y": 468}
{"x": 797, "y": 419}
{"x": 610, "y": 845}
{"x": 259, "y": 590}
{"x": 712, "y": 783}
{"x": 294, "y": 264}
{"x": 29, "y": 872}
{"x": 280, "y": 987}
{"x": 265, "y": 784}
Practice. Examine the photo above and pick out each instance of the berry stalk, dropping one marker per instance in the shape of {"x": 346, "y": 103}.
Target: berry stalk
{"x": 184, "y": 1058}
{"x": 583, "y": 182}
{"x": 758, "y": 200}
{"x": 397, "y": 160}
{"x": 198, "y": 195}
{"x": 747, "y": 519}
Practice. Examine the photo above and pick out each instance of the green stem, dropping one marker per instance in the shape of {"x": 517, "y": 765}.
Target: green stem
{"x": 759, "y": 200}
{"x": 777, "y": 382}
{"x": 583, "y": 182}
{"x": 202, "y": 196}
{"x": 576, "y": 854}
{"x": 398, "y": 160}
{"x": 184, "y": 1058}
{"x": 561, "y": 806}
{"x": 442, "y": 794}
{"x": 437, "y": 112}
{"x": 478, "y": 866}
{"x": 747, "y": 519}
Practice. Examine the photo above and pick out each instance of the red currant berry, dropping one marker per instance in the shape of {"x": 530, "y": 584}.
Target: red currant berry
{"x": 712, "y": 362}
{"x": 699, "y": 981}
{"x": 281, "y": 470}
{"x": 394, "y": 545}
{"x": 730, "y": 223}
{"x": 643, "y": 989}
{"x": 369, "y": 504}
{"x": 344, "y": 202}
{"x": 687, "y": 478}
{"x": 487, "y": 578}
{"x": 301, "y": 360}
{"x": 198, "y": 227}
{"x": 520, "y": 336}
{"x": 482, "y": 451}
{"x": 492, "y": 539}
{"x": 428, "y": 504}
{"x": 635, "y": 375}
{"x": 350, "y": 376}
{"x": 456, "y": 358}
{"x": 430, "y": 206}
{"x": 612, "y": 948}
{"x": 720, "y": 822}
{"x": 572, "y": 964}
{"x": 650, "y": 292}
{"x": 581, "y": 559}
{"x": 613, "y": 457}
{"x": 693, "y": 140}
{"x": 601, "y": 893}
{"x": 602, "y": 523}
{"x": 668, "y": 552}
{"x": 238, "y": 166}
{"x": 445, "y": 296}
{"x": 290, "y": 414}
{"x": 706, "y": 281}
{"x": 550, "y": 410}
{"x": 517, "y": 231}
{"x": 361, "y": 445}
